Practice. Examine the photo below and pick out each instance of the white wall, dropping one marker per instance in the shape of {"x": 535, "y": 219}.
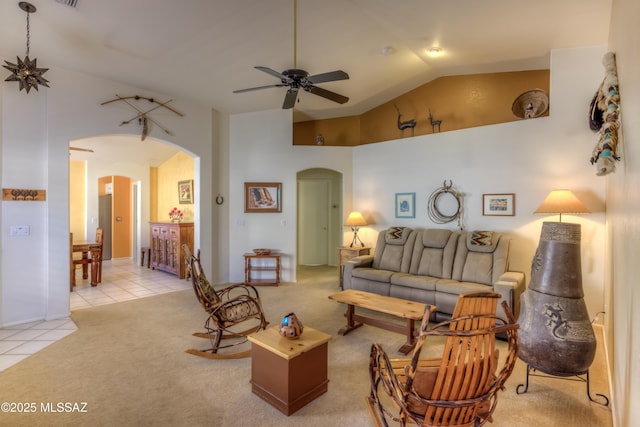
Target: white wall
{"x": 36, "y": 130}
{"x": 529, "y": 158}
{"x": 623, "y": 220}
{"x": 261, "y": 150}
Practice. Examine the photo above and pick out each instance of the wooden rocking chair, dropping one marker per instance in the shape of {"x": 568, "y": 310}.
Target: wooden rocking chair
{"x": 458, "y": 389}
{"x": 226, "y": 308}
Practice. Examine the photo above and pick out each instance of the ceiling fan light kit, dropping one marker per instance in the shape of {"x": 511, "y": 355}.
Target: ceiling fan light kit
{"x": 26, "y": 71}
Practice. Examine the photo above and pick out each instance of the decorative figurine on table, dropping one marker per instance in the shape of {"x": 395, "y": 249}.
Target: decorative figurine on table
{"x": 291, "y": 327}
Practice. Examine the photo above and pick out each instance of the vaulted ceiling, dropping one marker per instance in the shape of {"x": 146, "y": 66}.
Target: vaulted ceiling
{"x": 203, "y": 50}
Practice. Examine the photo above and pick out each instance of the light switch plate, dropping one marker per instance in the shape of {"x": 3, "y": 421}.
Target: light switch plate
{"x": 19, "y": 230}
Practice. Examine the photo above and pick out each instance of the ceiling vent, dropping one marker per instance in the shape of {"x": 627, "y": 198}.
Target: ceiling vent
{"x": 72, "y": 3}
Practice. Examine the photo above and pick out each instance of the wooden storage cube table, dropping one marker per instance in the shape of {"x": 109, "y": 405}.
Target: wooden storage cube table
{"x": 289, "y": 373}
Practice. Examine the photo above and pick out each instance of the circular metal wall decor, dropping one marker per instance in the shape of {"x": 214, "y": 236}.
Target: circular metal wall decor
{"x": 445, "y": 205}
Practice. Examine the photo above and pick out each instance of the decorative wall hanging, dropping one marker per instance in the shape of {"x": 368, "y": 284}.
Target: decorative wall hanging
{"x": 408, "y": 124}
{"x": 405, "y": 205}
{"x": 23, "y": 195}
{"x": 262, "y": 197}
{"x": 531, "y": 104}
{"x": 604, "y": 117}
{"x": 499, "y": 204}
{"x": 436, "y": 206}
{"x": 143, "y": 117}
{"x": 27, "y": 72}
{"x": 185, "y": 191}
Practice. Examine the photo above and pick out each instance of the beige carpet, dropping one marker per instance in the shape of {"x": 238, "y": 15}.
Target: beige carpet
{"x": 127, "y": 362}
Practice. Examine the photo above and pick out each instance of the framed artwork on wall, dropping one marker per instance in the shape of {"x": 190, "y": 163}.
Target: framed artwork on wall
{"x": 499, "y": 204}
{"x": 263, "y": 197}
{"x": 185, "y": 191}
{"x": 405, "y": 205}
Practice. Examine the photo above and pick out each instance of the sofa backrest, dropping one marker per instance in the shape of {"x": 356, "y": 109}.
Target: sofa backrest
{"x": 393, "y": 250}
{"x": 481, "y": 257}
{"x": 434, "y": 252}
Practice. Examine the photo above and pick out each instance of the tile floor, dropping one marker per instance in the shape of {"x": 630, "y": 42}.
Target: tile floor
{"x": 122, "y": 279}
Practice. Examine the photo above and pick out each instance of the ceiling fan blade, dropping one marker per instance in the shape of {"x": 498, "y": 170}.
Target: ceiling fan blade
{"x": 332, "y": 96}
{"x": 290, "y": 99}
{"x": 258, "y": 88}
{"x": 331, "y": 76}
{"x": 88, "y": 150}
{"x": 274, "y": 73}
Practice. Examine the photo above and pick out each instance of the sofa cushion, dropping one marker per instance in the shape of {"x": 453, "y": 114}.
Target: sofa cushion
{"x": 481, "y": 262}
{"x": 433, "y": 253}
{"x": 373, "y": 274}
{"x": 447, "y": 292}
{"x": 394, "y": 248}
{"x": 414, "y": 281}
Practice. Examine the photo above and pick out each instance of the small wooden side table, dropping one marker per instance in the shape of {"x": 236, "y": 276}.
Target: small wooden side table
{"x": 346, "y": 253}
{"x": 286, "y": 373}
{"x": 255, "y": 263}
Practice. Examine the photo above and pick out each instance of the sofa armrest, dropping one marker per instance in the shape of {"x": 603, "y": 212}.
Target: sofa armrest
{"x": 510, "y": 285}
{"x": 356, "y": 262}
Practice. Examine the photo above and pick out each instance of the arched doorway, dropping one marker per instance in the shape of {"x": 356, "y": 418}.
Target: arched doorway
{"x": 319, "y": 216}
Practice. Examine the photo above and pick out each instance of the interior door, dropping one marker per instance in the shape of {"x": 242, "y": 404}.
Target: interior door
{"x": 104, "y": 222}
{"x": 313, "y": 221}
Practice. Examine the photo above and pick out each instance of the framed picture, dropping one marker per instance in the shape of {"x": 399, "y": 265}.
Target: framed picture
{"x": 499, "y": 204}
{"x": 263, "y": 197}
{"x": 185, "y": 191}
{"x": 405, "y": 205}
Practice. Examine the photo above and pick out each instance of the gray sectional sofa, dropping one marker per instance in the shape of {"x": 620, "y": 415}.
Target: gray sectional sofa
{"x": 434, "y": 266}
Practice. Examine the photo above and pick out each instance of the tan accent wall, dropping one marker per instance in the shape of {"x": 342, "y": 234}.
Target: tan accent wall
{"x": 153, "y": 194}
{"x": 460, "y": 102}
{"x": 177, "y": 168}
{"x": 77, "y": 199}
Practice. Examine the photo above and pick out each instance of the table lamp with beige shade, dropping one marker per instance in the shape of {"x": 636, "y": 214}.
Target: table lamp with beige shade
{"x": 355, "y": 220}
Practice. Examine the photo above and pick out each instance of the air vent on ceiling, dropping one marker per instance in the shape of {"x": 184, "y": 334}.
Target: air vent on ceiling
{"x": 72, "y": 3}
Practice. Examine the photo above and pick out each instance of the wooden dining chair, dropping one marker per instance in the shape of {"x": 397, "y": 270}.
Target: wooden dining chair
{"x": 72, "y": 265}
{"x": 100, "y": 240}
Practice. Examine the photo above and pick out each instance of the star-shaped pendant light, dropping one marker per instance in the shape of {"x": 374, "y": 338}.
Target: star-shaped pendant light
{"x": 26, "y": 71}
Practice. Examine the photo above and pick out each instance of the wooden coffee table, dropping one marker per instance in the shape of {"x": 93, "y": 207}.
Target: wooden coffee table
{"x": 409, "y": 310}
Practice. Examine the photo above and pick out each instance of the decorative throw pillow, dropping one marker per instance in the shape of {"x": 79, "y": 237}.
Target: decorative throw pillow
{"x": 481, "y": 238}
{"x": 394, "y": 233}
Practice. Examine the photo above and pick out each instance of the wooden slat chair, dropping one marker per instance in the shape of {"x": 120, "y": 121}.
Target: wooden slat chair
{"x": 226, "y": 308}
{"x": 458, "y": 389}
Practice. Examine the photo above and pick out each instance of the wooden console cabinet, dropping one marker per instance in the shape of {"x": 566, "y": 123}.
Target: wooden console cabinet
{"x": 167, "y": 239}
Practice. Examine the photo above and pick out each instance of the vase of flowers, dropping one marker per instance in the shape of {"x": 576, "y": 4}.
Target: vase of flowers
{"x": 175, "y": 215}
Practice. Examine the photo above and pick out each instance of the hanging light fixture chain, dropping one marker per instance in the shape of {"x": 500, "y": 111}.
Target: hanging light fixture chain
{"x": 295, "y": 34}
{"x": 28, "y": 32}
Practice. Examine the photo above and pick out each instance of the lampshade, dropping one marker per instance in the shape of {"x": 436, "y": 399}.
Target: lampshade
{"x": 562, "y": 202}
{"x": 355, "y": 219}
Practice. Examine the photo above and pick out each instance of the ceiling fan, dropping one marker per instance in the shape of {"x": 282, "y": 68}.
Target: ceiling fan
{"x": 88, "y": 150}
{"x": 296, "y": 79}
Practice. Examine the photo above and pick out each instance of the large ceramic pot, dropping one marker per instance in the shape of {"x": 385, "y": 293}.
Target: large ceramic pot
{"x": 556, "y": 336}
